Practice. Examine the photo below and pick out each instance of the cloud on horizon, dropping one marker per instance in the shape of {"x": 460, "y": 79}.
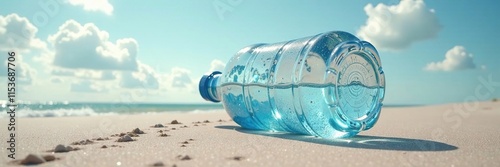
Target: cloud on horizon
{"x": 145, "y": 78}
{"x": 86, "y": 47}
{"x": 396, "y": 27}
{"x": 217, "y": 65}
{"x": 86, "y": 86}
{"x": 82, "y": 53}
{"x": 84, "y": 74}
{"x": 457, "y": 58}
{"x": 18, "y": 34}
{"x": 179, "y": 78}
{"x": 94, "y": 5}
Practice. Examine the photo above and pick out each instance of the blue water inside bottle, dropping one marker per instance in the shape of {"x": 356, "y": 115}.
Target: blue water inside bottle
{"x": 330, "y": 85}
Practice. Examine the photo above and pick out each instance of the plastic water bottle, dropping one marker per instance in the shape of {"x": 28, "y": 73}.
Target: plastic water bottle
{"x": 329, "y": 85}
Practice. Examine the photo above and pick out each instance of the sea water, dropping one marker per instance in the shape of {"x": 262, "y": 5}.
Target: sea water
{"x": 69, "y": 109}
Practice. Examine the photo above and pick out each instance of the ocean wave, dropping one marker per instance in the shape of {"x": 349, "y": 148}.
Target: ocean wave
{"x": 205, "y": 111}
{"x": 87, "y": 111}
{"x": 55, "y": 113}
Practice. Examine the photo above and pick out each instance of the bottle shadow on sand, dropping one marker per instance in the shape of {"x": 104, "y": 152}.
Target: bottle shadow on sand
{"x": 358, "y": 141}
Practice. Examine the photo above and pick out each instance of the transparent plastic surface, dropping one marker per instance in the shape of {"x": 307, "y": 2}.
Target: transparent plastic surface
{"x": 329, "y": 85}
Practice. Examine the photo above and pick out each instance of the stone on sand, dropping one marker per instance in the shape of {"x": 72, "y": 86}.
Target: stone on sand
{"x": 137, "y": 131}
{"x": 33, "y": 159}
{"x": 159, "y": 126}
{"x": 49, "y": 157}
{"x": 125, "y": 138}
{"x": 159, "y": 163}
{"x": 60, "y": 148}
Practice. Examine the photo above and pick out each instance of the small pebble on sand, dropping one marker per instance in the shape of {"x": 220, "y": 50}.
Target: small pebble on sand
{"x": 49, "y": 157}
{"x": 125, "y": 138}
{"x": 184, "y": 157}
{"x": 158, "y": 126}
{"x": 185, "y": 142}
{"x": 173, "y": 129}
{"x": 83, "y": 142}
{"x": 237, "y": 158}
{"x": 206, "y": 121}
{"x": 175, "y": 122}
{"x": 33, "y": 159}
{"x": 131, "y": 134}
{"x": 104, "y": 146}
{"x": 183, "y": 145}
{"x": 61, "y": 148}
{"x": 159, "y": 163}
{"x": 191, "y": 139}
{"x": 101, "y": 138}
{"x": 185, "y": 126}
{"x": 137, "y": 131}
{"x": 164, "y": 135}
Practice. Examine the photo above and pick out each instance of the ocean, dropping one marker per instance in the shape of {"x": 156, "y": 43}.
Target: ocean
{"x": 53, "y": 109}
{"x": 94, "y": 109}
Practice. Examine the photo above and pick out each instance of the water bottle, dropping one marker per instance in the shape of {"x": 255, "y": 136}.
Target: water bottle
{"x": 330, "y": 85}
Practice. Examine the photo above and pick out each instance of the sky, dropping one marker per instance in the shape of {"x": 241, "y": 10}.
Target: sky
{"x": 432, "y": 52}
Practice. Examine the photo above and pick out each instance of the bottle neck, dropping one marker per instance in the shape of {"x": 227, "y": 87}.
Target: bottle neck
{"x": 208, "y": 86}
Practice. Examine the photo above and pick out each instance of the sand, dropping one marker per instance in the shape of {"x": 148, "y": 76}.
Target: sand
{"x": 440, "y": 135}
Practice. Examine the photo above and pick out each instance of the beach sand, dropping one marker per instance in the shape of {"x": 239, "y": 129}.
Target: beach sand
{"x": 439, "y": 135}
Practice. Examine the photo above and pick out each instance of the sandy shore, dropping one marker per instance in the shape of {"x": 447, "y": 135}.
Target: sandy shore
{"x": 442, "y": 135}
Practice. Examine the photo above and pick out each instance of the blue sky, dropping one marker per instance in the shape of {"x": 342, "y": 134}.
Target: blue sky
{"x": 155, "y": 51}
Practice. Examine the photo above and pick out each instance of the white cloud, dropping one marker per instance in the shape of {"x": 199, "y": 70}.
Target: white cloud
{"x": 62, "y": 72}
{"x": 457, "y": 58}
{"x": 56, "y": 80}
{"x": 178, "y": 84}
{"x": 86, "y": 86}
{"x": 24, "y": 72}
{"x": 94, "y": 5}
{"x": 85, "y": 52}
{"x": 145, "y": 78}
{"x": 398, "y": 26}
{"x": 84, "y": 73}
{"x": 179, "y": 78}
{"x": 18, "y": 34}
{"x": 217, "y": 65}
{"x": 86, "y": 47}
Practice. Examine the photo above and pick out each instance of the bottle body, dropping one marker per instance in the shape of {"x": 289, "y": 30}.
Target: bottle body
{"x": 329, "y": 85}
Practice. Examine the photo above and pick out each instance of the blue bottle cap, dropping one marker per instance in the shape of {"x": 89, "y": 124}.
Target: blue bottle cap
{"x": 204, "y": 86}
